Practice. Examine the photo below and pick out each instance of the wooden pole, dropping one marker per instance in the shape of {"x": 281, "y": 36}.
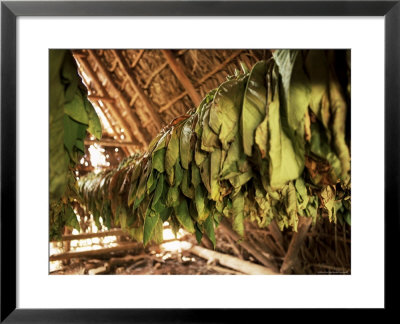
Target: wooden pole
{"x": 177, "y": 68}
{"x": 84, "y": 236}
{"x": 231, "y": 261}
{"x": 112, "y": 143}
{"x": 147, "y": 103}
{"x": 84, "y": 254}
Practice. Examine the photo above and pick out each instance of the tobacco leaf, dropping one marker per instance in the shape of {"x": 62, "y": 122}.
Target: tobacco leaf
{"x": 226, "y": 109}
{"x": 150, "y": 223}
{"x": 183, "y": 216}
{"x": 186, "y": 152}
{"x": 254, "y": 105}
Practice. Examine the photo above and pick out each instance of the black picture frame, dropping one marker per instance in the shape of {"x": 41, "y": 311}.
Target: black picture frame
{"x": 10, "y": 10}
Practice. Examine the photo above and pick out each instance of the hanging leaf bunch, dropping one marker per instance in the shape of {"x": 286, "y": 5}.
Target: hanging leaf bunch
{"x": 269, "y": 144}
{"x": 71, "y": 116}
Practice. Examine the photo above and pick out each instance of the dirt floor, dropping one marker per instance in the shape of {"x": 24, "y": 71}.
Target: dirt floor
{"x": 325, "y": 250}
{"x": 166, "y": 259}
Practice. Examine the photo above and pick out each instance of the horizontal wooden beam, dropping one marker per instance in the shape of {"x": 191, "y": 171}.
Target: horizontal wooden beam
{"x": 146, "y": 101}
{"x": 107, "y": 142}
{"x": 90, "y": 253}
{"x": 84, "y": 236}
{"x": 177, "y": 68}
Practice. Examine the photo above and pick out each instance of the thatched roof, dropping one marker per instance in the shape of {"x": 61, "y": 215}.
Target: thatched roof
{"x": 136, "y": 92}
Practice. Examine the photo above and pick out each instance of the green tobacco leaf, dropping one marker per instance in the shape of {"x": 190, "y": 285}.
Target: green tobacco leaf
{"x": 178, "y": 174}
{"x": 200, "y": 201}
{"x": 296, "y": 91}
{"x": 226, "y": 109}
{"x": 186, "y": 152}
{"x": 302, "y": 195}
{"x": 319, "y": 146}
{"x": 196, "y": 177}
{"x": 209, "y": 139}
{"x": 123, "y": 217}
{"x": 71, "y": 219}
{"x": 209, "y": 229}
{"x": 199, "y": 234}
{"x": 172, "y": 155}
{"x": 94, "y": 127}
{"x": 254, "y": 105}
{"x": 141, "y": 189}
{"x": 69, "y": 76}
{"x": 328, "y": 198}
{"x": 159, "y": 160}
{"x": 205, "y": 173}
{"x": 150, "y": 223}
{"x": 58, "y": 162}
{"x": 339, "y": 113}
{"x": 285, "y": 164}
{"x": 229, "y": 167}
{"x": 199, "y": 154}
{"x": 172, "y": 197}
{"x": 214, "y": 173}
{"x": 159, "y": 190}
{"x": 238, "y": 213}
{"x": 76, "y": 108}
{"x": 187, "y": 188}
{"x": 152, "y": 181}
{"x": 291, "y": 207}
{"x": 183, "y": 216}
{"x": 317, "y": 68}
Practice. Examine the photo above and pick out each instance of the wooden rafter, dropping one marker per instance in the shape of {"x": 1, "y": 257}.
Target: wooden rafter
{"x": 137, "y": 59}
{"x": 203, "y": 79}
{"x": 177, "y": 68}
{"x": 220, "y": 66}
{"x": 155, "y": 73}
{"x": 103, "y": 94}
{"x": 111, "y": 143}
{"x": 103, "y": 99}
{"x": 147, "y": 103}
{"x": 131, "y": 118}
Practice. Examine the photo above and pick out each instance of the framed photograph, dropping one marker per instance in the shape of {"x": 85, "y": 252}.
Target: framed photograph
{"x": 147, "y": 175}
